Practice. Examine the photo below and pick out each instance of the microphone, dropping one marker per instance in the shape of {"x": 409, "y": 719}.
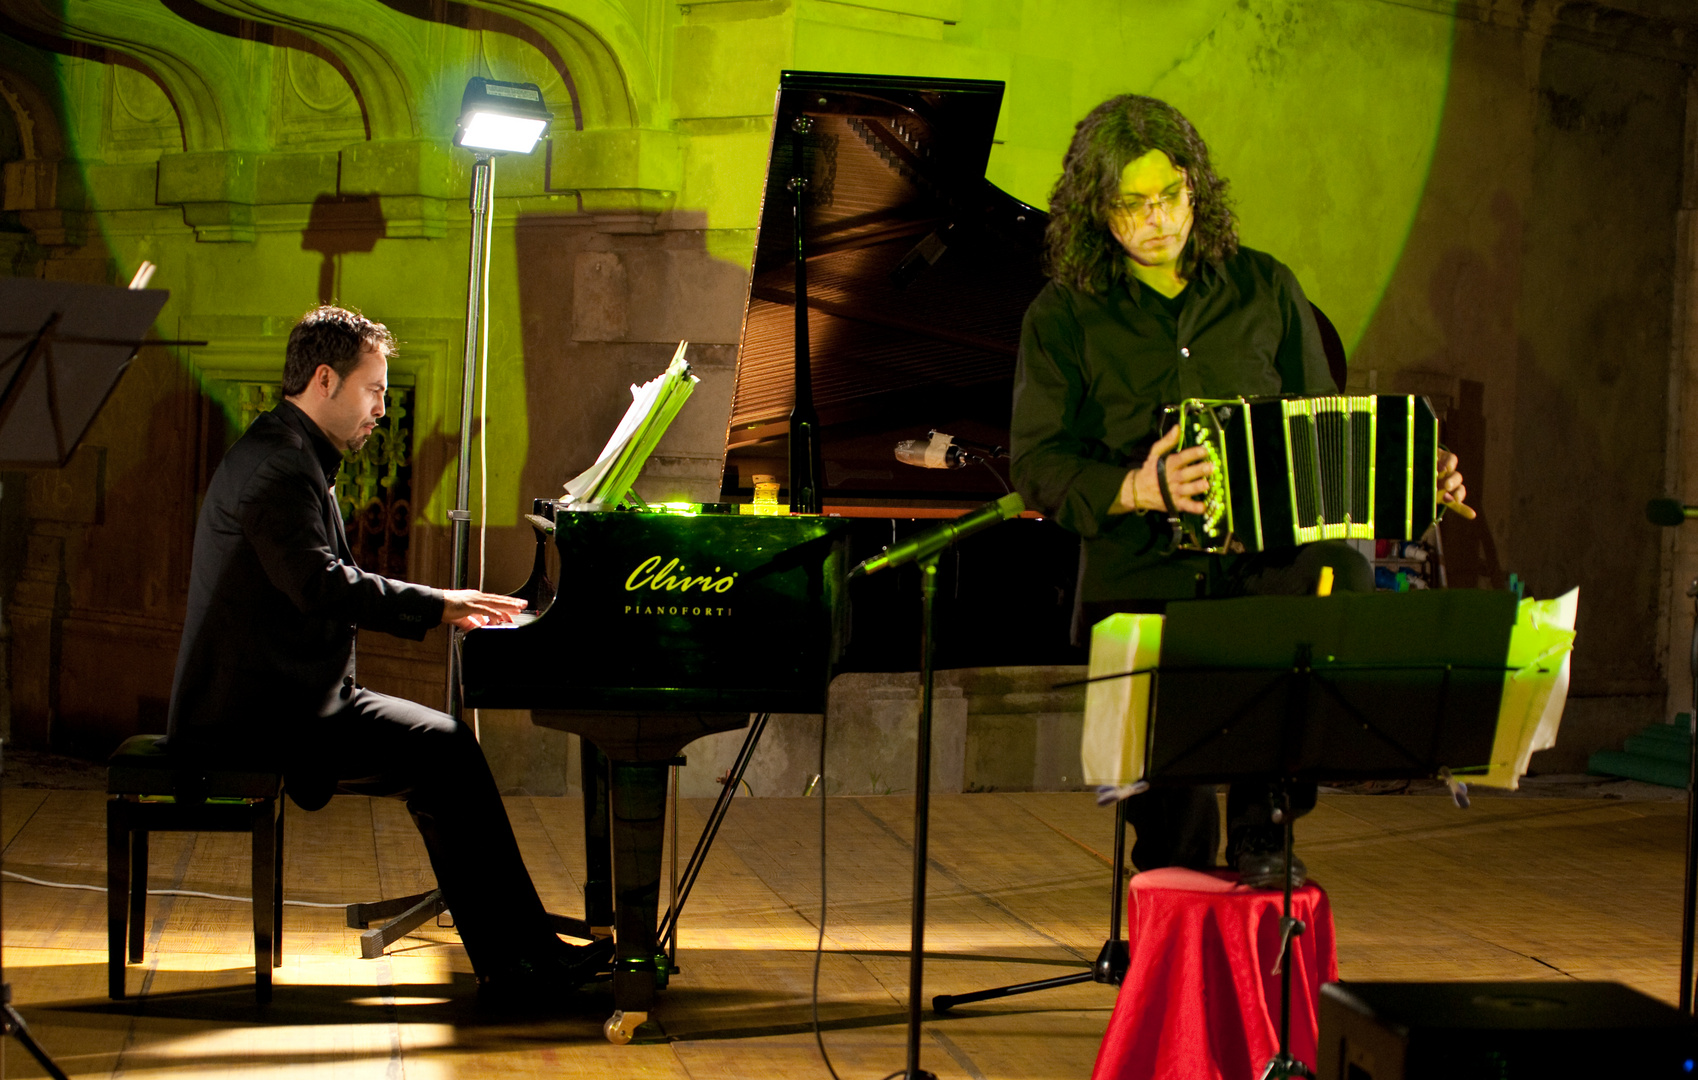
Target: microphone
{"x": 932, "y": 541}
{"x": 940, "y": 451}
{"x": 1669, "y": 512}
{"x": 934, "y": 452}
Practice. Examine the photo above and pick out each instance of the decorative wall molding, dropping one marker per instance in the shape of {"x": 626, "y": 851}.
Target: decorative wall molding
{"x": 280, "y": 103}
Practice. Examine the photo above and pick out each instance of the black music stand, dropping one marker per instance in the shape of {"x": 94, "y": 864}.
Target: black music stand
{"x": 1357, "y": 686}
{"x": 63, "y": 347}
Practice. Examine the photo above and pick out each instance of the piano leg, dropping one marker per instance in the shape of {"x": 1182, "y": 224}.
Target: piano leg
{"x": 598, "y": 852}
{"x": 639, "y": 820}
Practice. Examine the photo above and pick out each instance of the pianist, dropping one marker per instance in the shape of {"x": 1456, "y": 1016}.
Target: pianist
{"x": 265, "y": 673}
{"x": 1152, "y": 300}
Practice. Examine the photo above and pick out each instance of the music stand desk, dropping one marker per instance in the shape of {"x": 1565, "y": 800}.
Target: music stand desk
{"x": 1303, "y": 688}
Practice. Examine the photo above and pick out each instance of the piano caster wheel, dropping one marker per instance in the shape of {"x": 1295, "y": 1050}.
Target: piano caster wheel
{"x": 622, "y": 1025}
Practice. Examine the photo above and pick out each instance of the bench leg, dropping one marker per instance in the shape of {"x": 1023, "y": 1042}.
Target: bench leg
{"x": 264, "y": 892}
{"x": 117, "y": 895}
{"x": 277, "y": 890}
{"x": 138, "y": 893}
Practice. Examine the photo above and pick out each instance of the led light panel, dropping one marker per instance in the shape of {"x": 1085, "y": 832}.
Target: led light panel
{"x": 484, "y": 130}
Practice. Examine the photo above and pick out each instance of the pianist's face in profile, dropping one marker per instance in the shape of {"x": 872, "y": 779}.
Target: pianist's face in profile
{"x": 337, "y": 372}
{"x": 1136, "y": 183}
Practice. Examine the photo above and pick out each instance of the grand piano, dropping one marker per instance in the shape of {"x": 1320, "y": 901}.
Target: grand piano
{"x": 915, "y": 272}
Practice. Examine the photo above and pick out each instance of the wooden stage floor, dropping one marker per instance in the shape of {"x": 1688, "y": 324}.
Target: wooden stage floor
{"x": 1514, "y": 888}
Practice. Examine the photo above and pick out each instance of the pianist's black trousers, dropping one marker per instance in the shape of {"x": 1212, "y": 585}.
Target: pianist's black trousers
{"x": 1180, "y": 826}
{"x": 393, "y": 748}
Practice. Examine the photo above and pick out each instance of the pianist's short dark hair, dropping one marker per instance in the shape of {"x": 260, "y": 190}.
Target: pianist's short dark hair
{"x": 1079, "y": 250}
{"x": 330, "y": 335}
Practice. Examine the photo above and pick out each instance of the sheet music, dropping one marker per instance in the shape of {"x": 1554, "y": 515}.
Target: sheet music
{"x": 1536, "y": 690}
{"x": 653, "y": 406}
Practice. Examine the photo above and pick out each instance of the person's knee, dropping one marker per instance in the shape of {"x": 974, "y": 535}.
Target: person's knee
{"x": 416, "y": 730}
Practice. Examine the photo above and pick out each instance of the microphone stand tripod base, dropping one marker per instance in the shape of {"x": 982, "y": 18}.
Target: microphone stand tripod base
{"x": 13, "y": 1024}
{"x": 1284, "y": 1065}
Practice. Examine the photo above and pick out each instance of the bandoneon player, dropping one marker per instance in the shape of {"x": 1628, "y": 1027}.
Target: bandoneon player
{"x": 1152, "y": 300}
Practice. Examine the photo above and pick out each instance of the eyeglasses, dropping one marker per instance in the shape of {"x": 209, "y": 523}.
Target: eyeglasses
{"x": 1140, "y": 207}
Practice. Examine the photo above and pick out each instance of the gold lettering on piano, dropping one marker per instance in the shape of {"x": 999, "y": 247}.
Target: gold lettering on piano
{"x": 673, "y": 577}
{"x": 676, "y": 609}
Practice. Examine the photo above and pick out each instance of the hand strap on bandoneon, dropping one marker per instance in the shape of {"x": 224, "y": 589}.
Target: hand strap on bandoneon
{"x": 1161, "y": 480}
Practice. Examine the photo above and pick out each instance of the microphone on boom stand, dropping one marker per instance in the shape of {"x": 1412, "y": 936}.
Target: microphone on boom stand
{"x": 940, "y": 451}
{"x": 934, "y": 540}
{"x": 1671, "y": 513}
{"x": 925, "y": 549}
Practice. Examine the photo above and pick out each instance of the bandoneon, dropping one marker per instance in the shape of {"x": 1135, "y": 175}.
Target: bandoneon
{"x": 1291, "y": 470}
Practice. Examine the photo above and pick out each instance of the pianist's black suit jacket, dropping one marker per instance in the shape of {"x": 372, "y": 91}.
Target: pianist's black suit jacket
{"x": 275, "y": 600}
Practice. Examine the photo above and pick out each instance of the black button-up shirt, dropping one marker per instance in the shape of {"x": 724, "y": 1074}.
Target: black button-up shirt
{"x": 1093, "y": 374}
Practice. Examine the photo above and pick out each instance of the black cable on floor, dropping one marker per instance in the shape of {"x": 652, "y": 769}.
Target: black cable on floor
{"x": 819, "y": 943}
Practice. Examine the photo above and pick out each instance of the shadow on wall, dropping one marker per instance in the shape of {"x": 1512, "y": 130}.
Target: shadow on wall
{"x": 1537, "y": 297}
{"x": 337, "y": 226}
{"x": 604, "y": 302}
{"x": 1470, "y": 552}
{"x": 1472, "y": 296}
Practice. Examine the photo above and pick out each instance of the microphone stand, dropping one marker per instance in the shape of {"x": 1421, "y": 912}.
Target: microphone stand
{"x": 922, "y": 814}
{"x": 1691, "y": 890}
{"x": 12, "y": 1023}
{"x": 1670, "y": 513}
{"x": 931, "y": 548}
{"x": 922, "y": 809}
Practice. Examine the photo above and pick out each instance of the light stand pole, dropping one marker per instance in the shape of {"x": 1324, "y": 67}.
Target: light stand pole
{"x": 477, "y": 348}
{"x": 495, "y": 118}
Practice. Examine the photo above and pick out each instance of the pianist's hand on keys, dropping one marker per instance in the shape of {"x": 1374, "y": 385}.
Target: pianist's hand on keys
{"x": 469, "y": 609}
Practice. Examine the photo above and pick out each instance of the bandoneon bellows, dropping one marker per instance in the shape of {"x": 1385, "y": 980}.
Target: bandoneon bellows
{"x": 1292, "y": 470}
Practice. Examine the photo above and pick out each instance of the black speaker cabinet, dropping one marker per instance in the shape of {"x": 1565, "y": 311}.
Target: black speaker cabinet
{"x": 1499, "y": 1031}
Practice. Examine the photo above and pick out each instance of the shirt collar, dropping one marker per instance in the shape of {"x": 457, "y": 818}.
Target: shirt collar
{"x": 1201, "y": 283}
{"x": 329, "y": 458}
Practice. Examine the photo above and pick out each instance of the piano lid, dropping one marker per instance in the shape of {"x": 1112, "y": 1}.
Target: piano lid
{"x": 919, "y": 271}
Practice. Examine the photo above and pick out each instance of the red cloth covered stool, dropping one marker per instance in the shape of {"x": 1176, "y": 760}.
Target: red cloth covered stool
{"x": 1200, "y": 1000}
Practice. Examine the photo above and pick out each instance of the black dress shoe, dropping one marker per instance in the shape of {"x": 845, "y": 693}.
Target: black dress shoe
{"x": 1266, "y": 869}
{"x": 548, "y": 980}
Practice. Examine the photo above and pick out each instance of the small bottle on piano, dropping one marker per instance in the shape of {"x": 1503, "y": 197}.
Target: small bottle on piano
{"x": 766, "y": 496}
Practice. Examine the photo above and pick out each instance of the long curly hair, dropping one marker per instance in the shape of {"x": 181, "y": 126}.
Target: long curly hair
{"x": 1079, "y": 249}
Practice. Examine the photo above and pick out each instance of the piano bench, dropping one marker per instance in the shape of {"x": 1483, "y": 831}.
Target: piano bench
{"x": 150, "y": 790}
